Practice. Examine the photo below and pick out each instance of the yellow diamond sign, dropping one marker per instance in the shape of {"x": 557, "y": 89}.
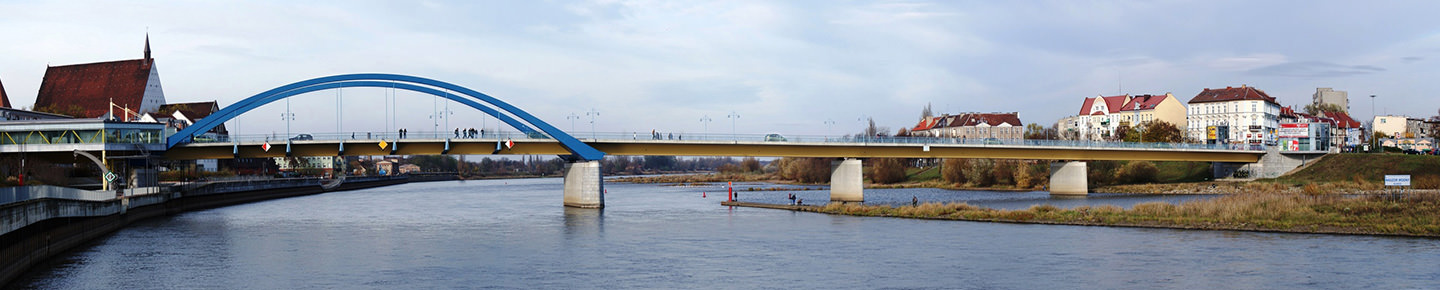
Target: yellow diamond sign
{"x": 384, "y": 144}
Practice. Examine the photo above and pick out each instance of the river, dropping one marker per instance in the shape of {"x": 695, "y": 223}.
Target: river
{"x": 515, "y": 234}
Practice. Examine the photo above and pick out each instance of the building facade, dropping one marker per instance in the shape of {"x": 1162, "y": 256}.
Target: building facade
{"x": 1244, "y": 114}
{"x": 1100, "y": 116}
{"x": 1331, "y": 96}
{"x": 1393, "y": 126}
{"x": 1143, "y": 109}
{"x": 972, "y": 126}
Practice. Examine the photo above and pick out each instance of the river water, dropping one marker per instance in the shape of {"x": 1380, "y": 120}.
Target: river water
{"x": 515, "y": 234}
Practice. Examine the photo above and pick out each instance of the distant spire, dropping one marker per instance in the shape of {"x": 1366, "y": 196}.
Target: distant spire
{"x": 147, "y": 60}
{"x": 147, "y": 45}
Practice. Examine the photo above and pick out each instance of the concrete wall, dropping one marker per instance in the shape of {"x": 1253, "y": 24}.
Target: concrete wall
{"x": 1069, "y": 178}
{"x": 1273, "y": 164}
{"x": 584, "y": 185}
{"x": 847, "y": 183}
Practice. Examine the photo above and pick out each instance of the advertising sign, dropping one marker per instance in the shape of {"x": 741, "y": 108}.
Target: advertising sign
{"x": 1352, "y": 137}
{"x": 1397, "y": 180}
{"x": 1210, "y": 133}
{"x": 1294, "y": 130}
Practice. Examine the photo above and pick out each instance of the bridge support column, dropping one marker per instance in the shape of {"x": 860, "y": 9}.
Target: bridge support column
{"x": 584, "y": 185}
{"x": 847, "y": 183}
{"x": 1068, "y": 178}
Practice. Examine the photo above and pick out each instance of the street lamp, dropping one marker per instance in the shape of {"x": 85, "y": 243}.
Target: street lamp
{"x": 733, "y": 116}
{"x": 572, "y": 118}
{"x": 592, "y": 113}
{"x": 287, "y": 116}
{"x": 829, "y": 127}
{"x": 706, "y": 120}
{"x": 1373, "y": 144}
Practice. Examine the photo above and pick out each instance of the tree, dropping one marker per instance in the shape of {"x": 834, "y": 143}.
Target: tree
{"x": 1126, "y": 133}
{"x": 874, "y": 131}
{"x": 1034, "y": 131}
{"x": 887, "y": 170}
{"x": 749, "y": 164}
{"x": 1137, "y": 172}
{"x": 953, "y": 170}
{"x": 804, "y": 170}
{"x": 1161, "y": 131}
{"x": 926, "y": 113}
{"x": 1317, "y": 109}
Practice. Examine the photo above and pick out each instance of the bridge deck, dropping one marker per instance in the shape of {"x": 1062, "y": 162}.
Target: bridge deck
{"x": 708, "y": 148}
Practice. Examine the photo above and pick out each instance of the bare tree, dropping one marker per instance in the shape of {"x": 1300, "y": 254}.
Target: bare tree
{"x": 926, "y": 113}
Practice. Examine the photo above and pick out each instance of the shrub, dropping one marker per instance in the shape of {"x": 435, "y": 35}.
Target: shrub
{"x": 1024, "y": 175}
{"x": 978, "y": 173}
{"x": 953, "y": 170}
{"x": 1426, "y": 182}
{"x": 1137, "y": 172}
{"x": 1003, "y": 172}
{"x": 887, "y": 170}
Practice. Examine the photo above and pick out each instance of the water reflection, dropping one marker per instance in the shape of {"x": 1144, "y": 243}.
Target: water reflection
{"x": 584, "y": 221}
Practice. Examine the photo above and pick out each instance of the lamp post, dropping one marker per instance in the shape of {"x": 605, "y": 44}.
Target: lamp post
{"x": 572, "y": 117}
{"x": 592, "y": 113}
{"x": 829, "y": 128}
{"x": 287, "y": 116}
{"x": 706, "y": 120}
{"x": 1373, "y": 143}
{"x": 733, "y": 116}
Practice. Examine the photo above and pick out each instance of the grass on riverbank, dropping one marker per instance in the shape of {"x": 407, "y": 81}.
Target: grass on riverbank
{"x": 1412, "y": 215}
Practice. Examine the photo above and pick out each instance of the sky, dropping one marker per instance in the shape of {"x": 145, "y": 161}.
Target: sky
{"x": 789, "y": 67}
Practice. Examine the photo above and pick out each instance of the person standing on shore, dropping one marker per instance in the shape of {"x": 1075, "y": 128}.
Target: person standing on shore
{"x": 914, "y": 201}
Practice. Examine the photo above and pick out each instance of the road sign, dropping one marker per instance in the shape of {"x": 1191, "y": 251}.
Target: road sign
{"x": 1397, "y": 180}
{"x": 265, "y": 146}
{"x": 110, "y": 176}
{"x": 384, "y": 144}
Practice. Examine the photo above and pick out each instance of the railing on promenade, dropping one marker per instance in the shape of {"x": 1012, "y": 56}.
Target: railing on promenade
{"x": 363, "y": 136}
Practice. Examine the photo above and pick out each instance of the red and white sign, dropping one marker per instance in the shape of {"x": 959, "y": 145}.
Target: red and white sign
{"x": 1300, "y": 130}
{"x": 265, "y": 146}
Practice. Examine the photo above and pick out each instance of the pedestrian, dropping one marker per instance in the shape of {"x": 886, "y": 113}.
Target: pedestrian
{"x": 352, "y": 135}
{"x": 400, "y": 133}
{"x": 914, "y": 201}
{"x": 800, "y": 202}
{"x": 457, "y": 133}
{"x": 368, "y": 136}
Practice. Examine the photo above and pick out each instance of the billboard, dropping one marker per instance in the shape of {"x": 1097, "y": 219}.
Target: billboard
{"x": 1210, "y": 133}
{"x": 1301, "y": 130}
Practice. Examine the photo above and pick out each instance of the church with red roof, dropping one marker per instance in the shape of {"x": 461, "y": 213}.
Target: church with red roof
{"x": 88, "y": 90}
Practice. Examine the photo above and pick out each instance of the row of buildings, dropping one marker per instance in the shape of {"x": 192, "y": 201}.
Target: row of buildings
{"x": 131, "y": 91}
{"x": 1243, "y": 116}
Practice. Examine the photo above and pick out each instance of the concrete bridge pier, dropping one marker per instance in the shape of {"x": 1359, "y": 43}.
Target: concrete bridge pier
{"x": 847, "y": 183}
{"x": 584, "y": 185}
{"x": 1068, "y": 178}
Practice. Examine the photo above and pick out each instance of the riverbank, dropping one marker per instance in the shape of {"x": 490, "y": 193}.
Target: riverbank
{"x": 1414, "y": 215}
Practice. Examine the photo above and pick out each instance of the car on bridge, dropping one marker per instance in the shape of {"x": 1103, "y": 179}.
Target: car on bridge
{"x": 774, "y": 138}
{"x": 302, "y": 137}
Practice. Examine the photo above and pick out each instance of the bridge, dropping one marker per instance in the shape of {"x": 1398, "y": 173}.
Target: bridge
{"x": 584, "y": 186}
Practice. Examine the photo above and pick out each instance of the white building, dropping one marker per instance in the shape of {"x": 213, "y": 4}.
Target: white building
{"x": 1099, "y": 117}
{"x": 1248, "y": 115}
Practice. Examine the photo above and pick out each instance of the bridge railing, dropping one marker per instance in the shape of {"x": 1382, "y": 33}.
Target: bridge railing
{"x": 360, "y": 136}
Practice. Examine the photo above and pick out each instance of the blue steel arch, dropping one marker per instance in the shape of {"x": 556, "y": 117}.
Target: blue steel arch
{"x": 461, "y": 94}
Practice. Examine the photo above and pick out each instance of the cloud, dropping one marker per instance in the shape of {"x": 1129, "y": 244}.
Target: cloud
{"x": 1314, "y": 69}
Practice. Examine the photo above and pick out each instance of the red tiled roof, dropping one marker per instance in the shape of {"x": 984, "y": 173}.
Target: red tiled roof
{"x": 1113, "y": 104}
{"x": 926, "y": 124}
{"x": 1144, "y": 102}
{"x": 91, "y": 86}
{"x": 1287, "y": 112}
{"x": 1232, "y": 94}
{"x": 1342, "y": 120}
{"x": 4, "y": 99}
{"x": 195, "y": 111}
{"x": 992, "y": 119}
